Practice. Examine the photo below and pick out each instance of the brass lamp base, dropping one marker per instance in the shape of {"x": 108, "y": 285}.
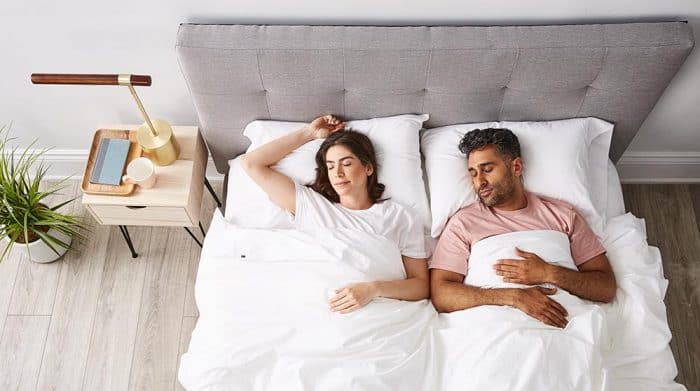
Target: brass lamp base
{"x": 163, "y": 148}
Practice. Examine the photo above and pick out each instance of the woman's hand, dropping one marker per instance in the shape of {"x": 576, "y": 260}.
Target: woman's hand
{"x": 321, "y": 127}
{"x": 352, "y": 297}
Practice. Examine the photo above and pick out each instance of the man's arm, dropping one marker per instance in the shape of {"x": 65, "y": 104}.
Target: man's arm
{"x": 448, "y": 293}
{"x": 594, "y": 279}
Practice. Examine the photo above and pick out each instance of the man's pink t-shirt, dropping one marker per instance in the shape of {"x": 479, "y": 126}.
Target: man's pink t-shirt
{"x": 477, "y": 221}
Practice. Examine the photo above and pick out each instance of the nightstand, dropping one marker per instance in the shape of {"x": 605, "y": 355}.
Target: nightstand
{"x": 175, "y": 200}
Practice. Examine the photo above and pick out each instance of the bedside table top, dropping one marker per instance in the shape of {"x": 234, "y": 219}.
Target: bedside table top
{"x": 173, "y": 182}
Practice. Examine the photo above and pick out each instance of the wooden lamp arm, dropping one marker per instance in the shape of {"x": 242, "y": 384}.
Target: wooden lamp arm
{"x": 65, "y": 78}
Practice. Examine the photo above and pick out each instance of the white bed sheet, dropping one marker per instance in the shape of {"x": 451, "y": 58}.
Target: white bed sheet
{"x": 230, "y": 350}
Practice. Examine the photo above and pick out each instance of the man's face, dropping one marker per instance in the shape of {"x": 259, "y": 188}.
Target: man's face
{"x": 493, "y": 178}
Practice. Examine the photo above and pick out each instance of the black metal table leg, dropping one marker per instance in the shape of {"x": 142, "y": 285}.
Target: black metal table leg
{"x": 193, "y": 237}
{"x": 127, "y": 237}
{"x": 211, "y": 191}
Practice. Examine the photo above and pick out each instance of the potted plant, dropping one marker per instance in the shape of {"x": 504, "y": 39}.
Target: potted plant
{"x": 25, "y": 218}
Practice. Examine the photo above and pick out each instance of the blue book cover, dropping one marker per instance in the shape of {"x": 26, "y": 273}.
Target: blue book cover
{"x": 109, "y": 165}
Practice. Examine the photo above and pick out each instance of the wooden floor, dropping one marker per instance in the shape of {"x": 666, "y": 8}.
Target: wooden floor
{"x": 672, "y": 214}
{"x": 100, "y": 320}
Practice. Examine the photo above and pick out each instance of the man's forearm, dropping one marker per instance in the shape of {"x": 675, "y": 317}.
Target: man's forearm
{"x": 591, "y": 285}
{"x": 451, "y": 296}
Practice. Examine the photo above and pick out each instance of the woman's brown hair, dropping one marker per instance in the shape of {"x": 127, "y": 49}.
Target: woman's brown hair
{"x": 361, "y": 146}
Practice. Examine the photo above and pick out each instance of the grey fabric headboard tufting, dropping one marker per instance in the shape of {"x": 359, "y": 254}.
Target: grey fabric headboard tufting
{"x": 238, "y": 73}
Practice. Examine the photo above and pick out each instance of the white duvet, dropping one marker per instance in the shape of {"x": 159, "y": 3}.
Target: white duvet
{"x": 502, "y": 348}
{"x": 265, "y": 323}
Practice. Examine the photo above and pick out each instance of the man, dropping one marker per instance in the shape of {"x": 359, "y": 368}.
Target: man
{"x": 496, "y": 168}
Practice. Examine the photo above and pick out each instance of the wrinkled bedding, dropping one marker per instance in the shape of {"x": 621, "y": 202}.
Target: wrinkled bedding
{"x": 502, "y": 348}
{"x": 265, "y": 323}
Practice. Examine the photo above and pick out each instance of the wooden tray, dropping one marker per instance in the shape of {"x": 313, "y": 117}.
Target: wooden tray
{"x": 134, "y": 152}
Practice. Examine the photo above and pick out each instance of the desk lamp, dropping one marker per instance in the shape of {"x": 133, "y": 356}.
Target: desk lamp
{"x": 155, "y": 137}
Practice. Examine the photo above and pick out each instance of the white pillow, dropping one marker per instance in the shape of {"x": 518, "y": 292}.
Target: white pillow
{"x": 564, "y": 159}
{"x": 395, "y": 140}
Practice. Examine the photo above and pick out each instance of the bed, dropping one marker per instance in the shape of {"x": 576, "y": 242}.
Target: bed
{"x": 241, "y": 73}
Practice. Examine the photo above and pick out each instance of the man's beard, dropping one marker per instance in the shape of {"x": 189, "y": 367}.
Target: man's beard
{"x": 501, "y": 191}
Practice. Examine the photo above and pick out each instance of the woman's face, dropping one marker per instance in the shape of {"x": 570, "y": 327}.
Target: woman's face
{"x": 346, "y": 172}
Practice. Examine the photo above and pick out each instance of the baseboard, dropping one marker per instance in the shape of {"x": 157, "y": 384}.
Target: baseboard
{"x": 659, "y": 167}
{"x": 633, "y": 167}
{"x": 71, "y": 163}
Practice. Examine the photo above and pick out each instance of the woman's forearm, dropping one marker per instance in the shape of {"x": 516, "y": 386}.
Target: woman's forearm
{"x": 409, "y": 289}
{"x": 272, "y": 152}
{"x": 257, "y": 164}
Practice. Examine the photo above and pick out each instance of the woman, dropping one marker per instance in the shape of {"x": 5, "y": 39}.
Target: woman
{"x": 345, "y": 194}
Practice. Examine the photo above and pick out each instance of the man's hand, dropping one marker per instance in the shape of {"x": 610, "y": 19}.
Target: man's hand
{"x": 323, "y": 126}
{"x": 531, "y": 270}
{"x": 537, "y": 303}
{"x": 352, "y": 297}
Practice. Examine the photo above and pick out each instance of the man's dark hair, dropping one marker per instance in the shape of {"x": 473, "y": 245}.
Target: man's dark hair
{"x": 505, "y": 141}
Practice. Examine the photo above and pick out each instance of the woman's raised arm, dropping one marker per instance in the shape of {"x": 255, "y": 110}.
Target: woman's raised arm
{"x": 258, "y": 163}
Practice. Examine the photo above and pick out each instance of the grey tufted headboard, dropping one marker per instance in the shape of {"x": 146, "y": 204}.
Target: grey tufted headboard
{"x": 238, "y": 73}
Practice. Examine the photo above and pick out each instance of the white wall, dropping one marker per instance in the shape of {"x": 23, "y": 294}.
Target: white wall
{"x": 83, "y": 36}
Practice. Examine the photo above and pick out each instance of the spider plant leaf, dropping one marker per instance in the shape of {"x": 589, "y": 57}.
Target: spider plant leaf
{"x": 53, "y": 208}
{"x": 7, "y": 249}
{"x": 51, "y": 241}
{"x": 21, "y": 209}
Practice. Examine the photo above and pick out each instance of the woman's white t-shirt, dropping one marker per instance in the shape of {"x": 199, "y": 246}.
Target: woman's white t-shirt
{"x": 386, "y": 218}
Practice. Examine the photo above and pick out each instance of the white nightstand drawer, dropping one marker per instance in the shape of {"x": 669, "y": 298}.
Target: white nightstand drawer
{"x": 147, "y": 215}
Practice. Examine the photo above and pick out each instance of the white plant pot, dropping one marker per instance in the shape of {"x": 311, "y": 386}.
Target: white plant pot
{"x": 41, "y": 252}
